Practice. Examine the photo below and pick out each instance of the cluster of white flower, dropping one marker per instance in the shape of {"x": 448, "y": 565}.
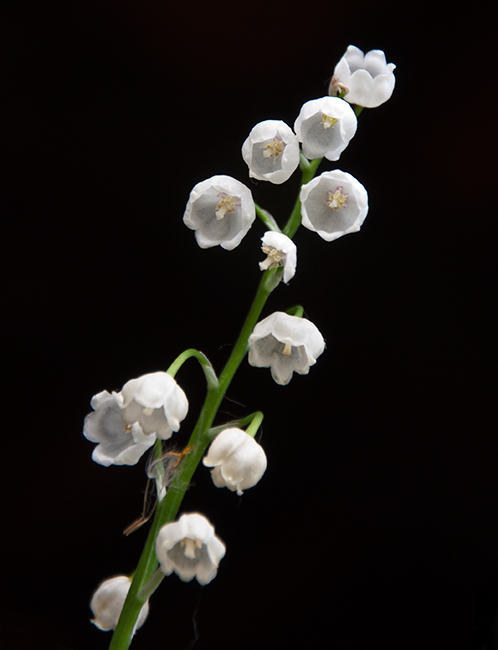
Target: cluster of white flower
{"x": 221, "y": 210}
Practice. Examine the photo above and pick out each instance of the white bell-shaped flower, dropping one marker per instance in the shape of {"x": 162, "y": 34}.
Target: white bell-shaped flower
{"x": 325, "y": 126}
{"x": 108, "y": 600}
{"x": 333, "y": 204}
{"x": 190, "y": 548}
{"x": 238, "y": 461}
{"x": 271, "y": 151}
{"x": 285, "y": 344}
{"x": 118, "y": 441}
{"x": 156, "y": 402}
{"x": 367, "y": 79}
{"x": 221, "y": 211}
{"x": 281, "y": 251}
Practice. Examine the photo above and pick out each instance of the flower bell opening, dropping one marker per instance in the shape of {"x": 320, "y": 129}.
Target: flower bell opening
{"x": 280, "y": 251}
{"x": 271, "y": 151}
{"x": 325, "y": 126}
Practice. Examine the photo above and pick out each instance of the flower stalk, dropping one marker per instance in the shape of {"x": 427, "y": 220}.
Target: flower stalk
{"x": 167, "y": 509}
{"x": 150, "y": 408}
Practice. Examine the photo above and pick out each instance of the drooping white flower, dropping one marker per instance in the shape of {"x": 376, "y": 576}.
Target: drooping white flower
{"x": 125, "y": 424}
{"x": 238, "y": 461}
{"x": 285, "y": 344}
{"x": 333, "y": 204}
{"x": 280, "y": 251}
{"x": 156, "y": 402}
{"x": 107, "y": 603}
{"x": 190, "y": 548}
{"x": 119, "y": 441}
{"x": 368, "y": 79}
{"x": 325, "y": 126}
{"x": 271, "y": 151}
{"x": 221, "y": 211}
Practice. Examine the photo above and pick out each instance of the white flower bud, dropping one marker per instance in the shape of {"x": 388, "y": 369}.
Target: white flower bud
{"x": 280, "y": 251}
{"x": 285, "y": 344}
{"x": 325, "y": 126}
{"x": 271, "y": 151}
{"x": 366, "y": 78}
{"x": 221, "y": 211}
{"x": 238, "y": 461}
{"x": 107, "y": 603}
{"x": 333, "y": 204}
{"x": 190, "y": 548}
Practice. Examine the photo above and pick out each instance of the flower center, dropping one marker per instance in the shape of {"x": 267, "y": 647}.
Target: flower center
{"x": 328, "y": 121}
{"x": 189, "y": 546}
{"x": 225, "y": 205}
{"x": 287, "y": 349}
{"x": 273, "y": 149}
{"x": 275, "y": 258}
{"x": 337, "y": 199}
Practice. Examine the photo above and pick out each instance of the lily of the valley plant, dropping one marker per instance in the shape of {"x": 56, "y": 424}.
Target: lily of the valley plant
{"x": 147, "y": 412}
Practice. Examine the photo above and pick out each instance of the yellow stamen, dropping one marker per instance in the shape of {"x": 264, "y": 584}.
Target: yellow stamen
{"x": 273, "y": 149}
{"x": 225, "y": 205}
{"x": 287, "y": 349}
{"x": 190, "y": 546}
{"x": 336, "y": 200}
{"x": 274, "y": 259}
{"x": 328, "y": 121}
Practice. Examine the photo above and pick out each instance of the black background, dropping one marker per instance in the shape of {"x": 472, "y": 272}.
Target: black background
{"x": 376, "y": 524}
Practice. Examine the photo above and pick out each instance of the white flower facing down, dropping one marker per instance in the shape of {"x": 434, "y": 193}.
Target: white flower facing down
{"x": 281, "y": 251}
{"x": 124, "y": 425}
{"x": 107, "y": 603}
{"x": 190, "y": 548}
{"x": 221, "y": 211}
{"x": 325, "y": 126}
{"x": 285, "y": 344}
{"x": 368, "y": 78}
{"x": 333, "y": 204}
{"x": 156, "y": 402}
{"x": 118, "y": 441}
{"x": 238, "y": 461}
{"x": 271, "y": 151}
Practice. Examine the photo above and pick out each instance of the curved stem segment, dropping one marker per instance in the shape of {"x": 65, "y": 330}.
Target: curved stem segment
{"x": 267, "y": 218}
{"x": 211, "y": 378}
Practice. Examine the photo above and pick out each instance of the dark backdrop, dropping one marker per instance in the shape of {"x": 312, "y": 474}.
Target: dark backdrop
{"x": 376, "y": 524}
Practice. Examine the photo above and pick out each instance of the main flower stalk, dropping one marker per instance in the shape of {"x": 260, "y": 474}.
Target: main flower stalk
{"x": 167, "y": 509}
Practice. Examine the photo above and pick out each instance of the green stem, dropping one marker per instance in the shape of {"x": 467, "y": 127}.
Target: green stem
{"x": 252, "y": 429}
{"x": 297, "y": 310}
{"x": 267, "y": 218}
{"x": 211, "y": 378}
{"x": 308, "y": 171}
{"x": 242, "y": 422}
{"x": 199, "y": 440}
